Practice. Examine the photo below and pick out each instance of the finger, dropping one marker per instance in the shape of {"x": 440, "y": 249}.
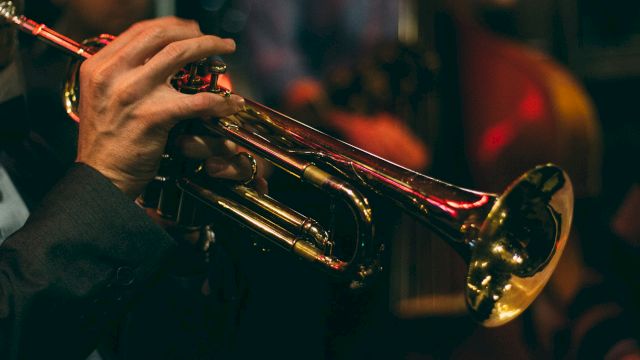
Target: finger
{"x": 175, "y": 55}
{"x": 155, "y": 30}
{"x": 237, "y": 167}
{"x": 203, "y": 147}
{"x": 148, "y": 42}
{"x": 134, "y": 46}
{"x": 137, "y": 45}
{"x": 201, "y": 105}
{"x": 262, "y": 186}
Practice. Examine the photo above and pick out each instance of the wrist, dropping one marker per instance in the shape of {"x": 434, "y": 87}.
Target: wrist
{"x": 129, "y": 186}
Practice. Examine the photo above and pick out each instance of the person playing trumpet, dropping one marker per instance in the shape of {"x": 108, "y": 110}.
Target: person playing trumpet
{"x": 87, "y": 250}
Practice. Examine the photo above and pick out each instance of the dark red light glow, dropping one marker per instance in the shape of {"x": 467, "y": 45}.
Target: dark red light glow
{"x": 469, "y": 205}
{"x": 531, "y": 107}
{"x": 496, "y": 138}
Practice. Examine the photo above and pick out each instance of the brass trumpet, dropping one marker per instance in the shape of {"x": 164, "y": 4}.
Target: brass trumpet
{"x": 512, "y": 242}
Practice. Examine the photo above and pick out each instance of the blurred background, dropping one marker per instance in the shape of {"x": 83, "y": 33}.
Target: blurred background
{"x": 473, "y": 92}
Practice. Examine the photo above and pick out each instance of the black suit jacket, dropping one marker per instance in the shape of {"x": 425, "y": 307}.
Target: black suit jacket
{"x": 71, "y": 270}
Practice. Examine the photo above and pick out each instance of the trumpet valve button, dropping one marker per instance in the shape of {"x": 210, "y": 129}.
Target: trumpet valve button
{"x": 217, "y": 68}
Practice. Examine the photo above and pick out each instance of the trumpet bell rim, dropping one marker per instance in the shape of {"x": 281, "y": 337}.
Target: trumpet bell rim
{"x": 519, "y": 245}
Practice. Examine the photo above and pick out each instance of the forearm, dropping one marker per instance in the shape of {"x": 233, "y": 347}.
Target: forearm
{"x": 73, "y": 267}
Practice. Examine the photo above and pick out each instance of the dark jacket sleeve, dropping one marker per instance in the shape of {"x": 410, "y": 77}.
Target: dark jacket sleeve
{"x": 71, "y": 270}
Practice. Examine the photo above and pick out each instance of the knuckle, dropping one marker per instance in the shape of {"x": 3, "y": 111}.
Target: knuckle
{"x": 155, "y": 34}
{"x": 181, "y": 22}
{"x": 154, "y": 122}
{"x": 125, "y": 92}
{"x": 137, "y": 26}
{"x": 142, "y": 25}
{"x": 174, "y": 21}
{"x": 95, "y": 76}
{"x": 86, "y": 69}
{"x": 213, "y": 38}
{"x": 189, "y": 26}
{"x": 223, "y": 108}
{"x": 179, "y": 110}
{"x": 171, "y": 19}
{"x": 200, "y": 103}
{"x": 208, "y": 39}
{"x": 193, "y": 27}
{"x": 174, "y": 50}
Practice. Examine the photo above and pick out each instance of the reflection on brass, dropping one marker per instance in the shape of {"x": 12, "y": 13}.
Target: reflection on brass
{"x": 511, "y": 242}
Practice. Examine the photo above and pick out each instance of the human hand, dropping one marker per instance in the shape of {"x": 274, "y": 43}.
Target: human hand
{"x": 220, "y": 159}
{"x": 223, "y": 159}
{"x": 127, "y": 105}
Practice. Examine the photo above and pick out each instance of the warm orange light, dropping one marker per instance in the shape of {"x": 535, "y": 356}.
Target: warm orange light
{"x": 224, "y": 81}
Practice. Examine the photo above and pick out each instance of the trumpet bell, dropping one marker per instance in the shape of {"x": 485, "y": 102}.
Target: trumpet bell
{"x": 519, "y": 245}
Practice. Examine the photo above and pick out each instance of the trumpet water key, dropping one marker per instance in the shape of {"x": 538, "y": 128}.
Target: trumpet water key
{"x": 512, "y": 242}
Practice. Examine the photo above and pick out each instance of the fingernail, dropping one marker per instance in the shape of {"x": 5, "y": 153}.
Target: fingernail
{"x": 238, "y": 101}
{"x": 230, "y": 42}
{"x": 230, "y": 145}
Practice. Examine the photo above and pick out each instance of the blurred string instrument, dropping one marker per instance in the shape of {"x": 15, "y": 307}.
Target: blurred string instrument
{"x": 495, "y": 107}
{"x": 512, "y": 242}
